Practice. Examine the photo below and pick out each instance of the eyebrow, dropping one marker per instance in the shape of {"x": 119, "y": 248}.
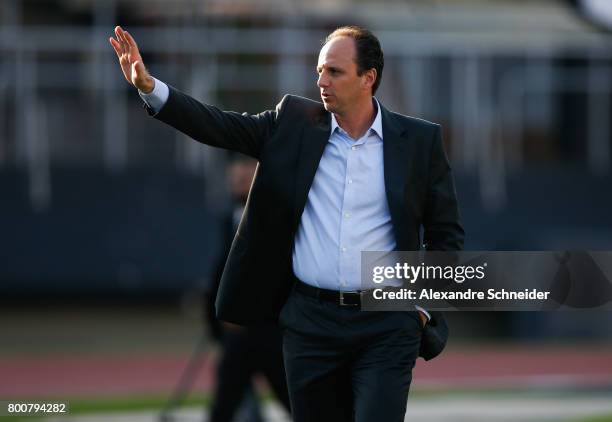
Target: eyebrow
{"x": 332, "y": 68}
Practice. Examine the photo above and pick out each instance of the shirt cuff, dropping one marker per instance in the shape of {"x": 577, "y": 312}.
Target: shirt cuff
{"x": 418, "y": 308}
{"x": 157, "y": 98}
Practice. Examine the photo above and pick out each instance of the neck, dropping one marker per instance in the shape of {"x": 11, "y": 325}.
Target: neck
{"x": 359, "y": 120}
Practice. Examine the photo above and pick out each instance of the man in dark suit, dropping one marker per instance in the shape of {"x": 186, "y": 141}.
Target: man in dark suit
{"x": 334, "y": 179}
{"x": 246, "y": 351}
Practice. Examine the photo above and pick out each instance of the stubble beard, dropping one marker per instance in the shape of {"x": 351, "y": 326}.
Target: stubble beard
{"x": 330, "y": 107}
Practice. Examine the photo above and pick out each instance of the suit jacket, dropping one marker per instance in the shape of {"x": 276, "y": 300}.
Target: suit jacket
{"x": 288, "y": 142}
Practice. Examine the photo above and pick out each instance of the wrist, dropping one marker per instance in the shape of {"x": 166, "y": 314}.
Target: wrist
{"x": 148, "y": 86}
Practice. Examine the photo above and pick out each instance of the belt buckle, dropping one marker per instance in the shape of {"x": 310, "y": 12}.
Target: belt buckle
{"x": 342, "y": 298}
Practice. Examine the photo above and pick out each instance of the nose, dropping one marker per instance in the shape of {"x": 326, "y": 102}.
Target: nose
{"x": 323, "y": 80}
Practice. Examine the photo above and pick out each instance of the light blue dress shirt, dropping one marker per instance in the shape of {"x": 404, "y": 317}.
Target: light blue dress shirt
{"x": 346, "y": 211}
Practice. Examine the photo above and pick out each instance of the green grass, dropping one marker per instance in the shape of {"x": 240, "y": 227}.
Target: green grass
{"x": 119, "y": 404}
{"x": 132, "y": 403}
{"x": 601, "y": 418}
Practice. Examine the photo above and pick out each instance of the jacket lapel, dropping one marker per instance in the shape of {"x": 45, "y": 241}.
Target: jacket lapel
{"x": 398, "y": 155}
{"x": 313, "y": 141}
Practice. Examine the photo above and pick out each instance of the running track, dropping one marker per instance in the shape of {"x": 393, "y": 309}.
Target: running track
{"x": 486, "y": 367}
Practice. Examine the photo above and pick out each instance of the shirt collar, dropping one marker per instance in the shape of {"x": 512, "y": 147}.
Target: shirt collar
{"x": 376, "y": 124}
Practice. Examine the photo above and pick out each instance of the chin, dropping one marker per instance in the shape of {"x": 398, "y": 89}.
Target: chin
{"x": 329, "y": 107}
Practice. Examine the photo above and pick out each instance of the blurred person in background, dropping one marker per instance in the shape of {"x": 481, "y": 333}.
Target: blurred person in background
{"x": 334, "y": 179}
{"x": 246, "y": 350}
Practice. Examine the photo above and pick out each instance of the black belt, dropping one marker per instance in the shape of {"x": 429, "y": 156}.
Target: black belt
{"x": 341, "y": 298}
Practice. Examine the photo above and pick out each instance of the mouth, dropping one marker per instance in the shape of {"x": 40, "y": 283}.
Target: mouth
{"x": 325, "y": 95}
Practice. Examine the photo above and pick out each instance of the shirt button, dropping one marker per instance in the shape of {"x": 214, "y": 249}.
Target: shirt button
{"x": 347, "y": 214}
{"x": 350, "y": 181}
{"x": 343, "y": 249}
{"x": 353, "y": 148}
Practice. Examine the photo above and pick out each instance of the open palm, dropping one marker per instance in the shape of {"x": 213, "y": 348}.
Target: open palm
{"x": 130, "y": 60}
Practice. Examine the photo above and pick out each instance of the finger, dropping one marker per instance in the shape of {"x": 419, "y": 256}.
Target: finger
{"x": 121, "y": 38}
{"x": 119, "y": 32}
{"x": 130, "y": 40}
{"x": 116, "y": 46}
{"x": 132, "y": 47}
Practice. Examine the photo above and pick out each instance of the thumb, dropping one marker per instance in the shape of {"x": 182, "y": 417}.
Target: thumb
{"x": 138, "y": 70}
{"x": 141, "y": 78}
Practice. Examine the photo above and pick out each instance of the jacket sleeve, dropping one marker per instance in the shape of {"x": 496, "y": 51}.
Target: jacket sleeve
{"x": 442, "y": 232}
{"x": 441, "y": 222}
{"x": 209, "y": 125}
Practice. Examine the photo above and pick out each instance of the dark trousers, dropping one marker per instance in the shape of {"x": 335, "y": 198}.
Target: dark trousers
{"x": 346, "y": 365}
{"x": 248, "y": 351}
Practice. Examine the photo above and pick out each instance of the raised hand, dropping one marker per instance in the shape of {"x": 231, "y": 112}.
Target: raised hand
{"x": 131, "y": 63}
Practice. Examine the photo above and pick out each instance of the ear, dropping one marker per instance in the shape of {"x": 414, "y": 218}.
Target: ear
{"x": 369, "y": 78}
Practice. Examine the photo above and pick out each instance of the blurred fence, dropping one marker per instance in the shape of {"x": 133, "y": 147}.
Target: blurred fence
{"x": 522, "y": 91}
